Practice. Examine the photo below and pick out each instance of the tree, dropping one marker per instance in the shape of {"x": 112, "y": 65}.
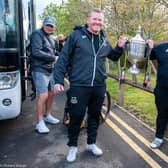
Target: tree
{"x": 163, "y": 2}
{"x": 122, "y": 16}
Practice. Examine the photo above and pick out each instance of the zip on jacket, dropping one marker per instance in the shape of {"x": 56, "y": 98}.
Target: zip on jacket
{"x": 88, "y": 67}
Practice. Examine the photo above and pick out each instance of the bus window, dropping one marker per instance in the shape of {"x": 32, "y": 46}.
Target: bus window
{"x": 8, "y": 35}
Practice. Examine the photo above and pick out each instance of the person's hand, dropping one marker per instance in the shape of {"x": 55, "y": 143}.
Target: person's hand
{"x": 150, "y": 43}
{"x": 58, "y": 88}
{"x": 122, "y": 41}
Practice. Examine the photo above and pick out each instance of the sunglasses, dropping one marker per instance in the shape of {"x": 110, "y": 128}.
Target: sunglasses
{"x": 48, "y": 25}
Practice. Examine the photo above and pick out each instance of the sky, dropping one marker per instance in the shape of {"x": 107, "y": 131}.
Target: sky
{"x": 41, "y": 4}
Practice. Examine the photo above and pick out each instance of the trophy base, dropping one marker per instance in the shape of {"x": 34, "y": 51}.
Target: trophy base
{"x": 133, "y": 70}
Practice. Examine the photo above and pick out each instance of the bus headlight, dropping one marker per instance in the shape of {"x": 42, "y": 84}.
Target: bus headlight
{"x": 8, "y": 80}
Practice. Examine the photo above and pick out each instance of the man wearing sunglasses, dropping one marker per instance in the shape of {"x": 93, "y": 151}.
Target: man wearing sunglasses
{"x": 43, "y": 57}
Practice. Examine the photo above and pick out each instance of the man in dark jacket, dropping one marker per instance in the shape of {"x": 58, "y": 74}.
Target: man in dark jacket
{"x": 43, "y": 56}
{"x": 86, "y": 50}
{"x": 159, "y": 55}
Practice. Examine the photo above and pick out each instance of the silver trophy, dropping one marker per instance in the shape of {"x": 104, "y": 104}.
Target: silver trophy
{"x": 136, "y": 51}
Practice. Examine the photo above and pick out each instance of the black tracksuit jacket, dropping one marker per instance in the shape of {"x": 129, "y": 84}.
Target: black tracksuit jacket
{"x": 88, "y": 67}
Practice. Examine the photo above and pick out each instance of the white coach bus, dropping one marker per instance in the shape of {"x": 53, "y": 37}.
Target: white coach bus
{"x": 17, "y": 21}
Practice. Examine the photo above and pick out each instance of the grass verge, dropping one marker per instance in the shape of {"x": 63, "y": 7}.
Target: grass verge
{"x": 140, "y": 103}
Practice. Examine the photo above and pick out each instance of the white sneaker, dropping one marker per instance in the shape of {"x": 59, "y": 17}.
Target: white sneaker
{"x": 51, "y": 120}
{"x": 71, "y": 157}
{"x": 41, "y": 127}
{"x": 94, "y": 149}
{"x": 156, "y": 143}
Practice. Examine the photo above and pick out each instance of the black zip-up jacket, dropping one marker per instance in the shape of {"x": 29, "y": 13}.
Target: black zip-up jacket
{"x": 42, "y": 51}
{"x": 88, "y": 67}
{"x": 160, "y": 53}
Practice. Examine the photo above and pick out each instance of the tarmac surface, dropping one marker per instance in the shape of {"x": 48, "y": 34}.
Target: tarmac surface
{"x": 124, "y": 139}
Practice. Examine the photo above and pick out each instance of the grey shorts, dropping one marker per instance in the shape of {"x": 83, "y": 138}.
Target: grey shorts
{"x": 43, "y": 82}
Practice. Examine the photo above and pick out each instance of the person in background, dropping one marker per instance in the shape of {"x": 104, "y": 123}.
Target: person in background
{"x": 59, "y": 43}
{"x": 61, "y": 39}
{"x": 43, "y": 56}
{"x": 159, "y": 55}
{"x": 86, "y": 50}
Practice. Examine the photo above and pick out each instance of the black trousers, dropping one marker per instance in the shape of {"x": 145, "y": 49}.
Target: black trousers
{"x": 161, "y": 101}
{"x": 79, "y": 100}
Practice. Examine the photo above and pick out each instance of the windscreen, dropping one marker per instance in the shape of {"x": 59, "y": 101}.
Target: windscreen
{"x": 8, "y": 25}
{"x": 9, "y": 57}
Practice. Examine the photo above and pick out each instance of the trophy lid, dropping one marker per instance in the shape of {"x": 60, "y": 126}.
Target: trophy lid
{"x": 138, "y": 38}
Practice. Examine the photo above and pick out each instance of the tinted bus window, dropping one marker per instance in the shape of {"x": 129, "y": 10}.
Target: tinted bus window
{"x": 9, "y": 60}
{"x": 8, "y": 33}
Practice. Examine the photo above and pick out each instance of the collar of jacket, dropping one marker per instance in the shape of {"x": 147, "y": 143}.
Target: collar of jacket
{"x": 84, "y": 29}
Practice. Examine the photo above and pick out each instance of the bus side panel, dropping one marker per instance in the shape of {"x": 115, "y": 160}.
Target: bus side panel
{"x": 13, "y": 95}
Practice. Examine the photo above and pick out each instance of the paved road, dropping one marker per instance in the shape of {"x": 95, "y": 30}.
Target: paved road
{"x": 124, "y": 140}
